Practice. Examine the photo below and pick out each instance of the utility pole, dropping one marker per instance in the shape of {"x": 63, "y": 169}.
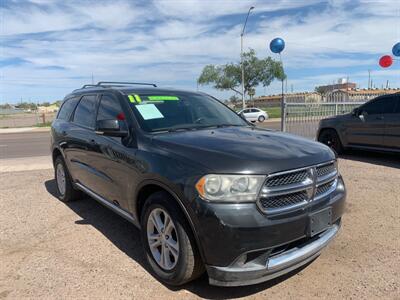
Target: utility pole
{"x": 283, "y": 106}
{"x": 241, "y": 55}
{"x": 286, "y": 85}
{"x": 369, "y": 79}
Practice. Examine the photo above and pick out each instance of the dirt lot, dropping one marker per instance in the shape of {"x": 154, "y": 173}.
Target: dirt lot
{"x": 82, "y": 250}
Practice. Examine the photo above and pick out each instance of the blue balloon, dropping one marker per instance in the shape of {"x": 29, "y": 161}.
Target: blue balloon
{"x": 277, "y": 45}
{"x": 396, "y": 49}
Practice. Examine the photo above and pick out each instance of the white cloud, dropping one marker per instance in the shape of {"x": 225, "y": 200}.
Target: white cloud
{"x": 170, "y": 41}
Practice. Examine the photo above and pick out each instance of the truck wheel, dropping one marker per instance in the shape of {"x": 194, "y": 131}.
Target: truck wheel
{"x": 261, "y": 119}
{"x": 168, "y": 241}
{"x": 65, "y": 189}
{"x": 330, "y": 138}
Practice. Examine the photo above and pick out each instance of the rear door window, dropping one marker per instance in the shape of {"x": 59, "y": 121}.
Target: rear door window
{"x": 85, "y": 112}
{"x": 67, "y": 108}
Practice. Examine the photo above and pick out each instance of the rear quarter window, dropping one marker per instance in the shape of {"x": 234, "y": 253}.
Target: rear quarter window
{"x": 67, "y": 108}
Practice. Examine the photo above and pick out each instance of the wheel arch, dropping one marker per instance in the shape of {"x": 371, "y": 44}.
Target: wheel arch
{"x": 55, "y": 153}
{"x": 149, "y": 187}
{"x": 342, "y": 139}
{"x": 330, "y": 128}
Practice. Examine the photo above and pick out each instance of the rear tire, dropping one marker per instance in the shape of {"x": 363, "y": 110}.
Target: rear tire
{"x": 65, "y": 188}
{"x": 330, "y": 138}
{"x": 261, "y": 119}
{"x": 175, "y": 240}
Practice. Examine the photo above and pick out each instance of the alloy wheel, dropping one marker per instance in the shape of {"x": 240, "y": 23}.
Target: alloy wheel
{"x": 162, "y": 239}
{"x": 61, "y": 183}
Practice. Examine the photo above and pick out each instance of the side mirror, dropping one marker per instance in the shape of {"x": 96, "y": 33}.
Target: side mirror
{"x": 355, "y": 112}
{"x": 110, "y": 128}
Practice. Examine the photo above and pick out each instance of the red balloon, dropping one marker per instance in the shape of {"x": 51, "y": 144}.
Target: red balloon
{"x": 385, "y": 61}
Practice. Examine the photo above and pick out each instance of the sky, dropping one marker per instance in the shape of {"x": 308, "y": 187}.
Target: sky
{"x": 50, "y": 47}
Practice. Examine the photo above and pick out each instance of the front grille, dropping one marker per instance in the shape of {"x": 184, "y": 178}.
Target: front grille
{"x": 326, "y": 169}
{"x": 288, "y": 178}
{"x": 284, "y": 200}
{"x": 294, "y": 189}
{"x": 324, "y": 188}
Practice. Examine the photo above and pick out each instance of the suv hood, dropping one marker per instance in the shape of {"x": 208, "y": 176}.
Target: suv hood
{"x": 247, "y": 150}
{"x": 338, "y": 117}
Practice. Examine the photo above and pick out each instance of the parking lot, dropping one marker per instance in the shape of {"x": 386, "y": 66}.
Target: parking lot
{"x": 54, "y": 250}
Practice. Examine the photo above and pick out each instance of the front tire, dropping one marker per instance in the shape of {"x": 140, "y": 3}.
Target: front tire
{"x": 168, "y": 241}
{"x": 330, "y": 138}
{"x": 65, "y": 189}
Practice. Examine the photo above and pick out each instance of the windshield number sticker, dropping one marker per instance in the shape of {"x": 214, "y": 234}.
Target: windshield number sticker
{"x": 162, "y": 98}
{"x": 134, "y": 98}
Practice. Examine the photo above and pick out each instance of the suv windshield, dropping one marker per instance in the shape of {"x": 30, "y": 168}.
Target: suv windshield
{"x": 181, "y": 112}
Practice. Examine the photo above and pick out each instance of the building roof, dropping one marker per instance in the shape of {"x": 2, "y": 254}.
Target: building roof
{"x": 354, "y": 92}
{"x": 279, "y": 96}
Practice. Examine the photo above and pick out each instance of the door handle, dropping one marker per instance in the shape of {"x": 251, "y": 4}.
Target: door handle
{"x": 379, "y": 118}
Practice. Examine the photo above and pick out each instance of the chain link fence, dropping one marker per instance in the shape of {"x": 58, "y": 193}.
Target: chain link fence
{"x": 303, "y": 118}
{"x": 24, "y": 119}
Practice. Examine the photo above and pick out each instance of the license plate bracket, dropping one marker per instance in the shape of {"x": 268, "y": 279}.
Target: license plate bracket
{"x": 319, "y": 221}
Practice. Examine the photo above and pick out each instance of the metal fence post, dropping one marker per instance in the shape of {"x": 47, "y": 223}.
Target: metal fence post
{"x": 283, "y": 114}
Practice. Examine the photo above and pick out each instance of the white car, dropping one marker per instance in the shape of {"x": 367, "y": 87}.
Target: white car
{"x": 254, "y": 114}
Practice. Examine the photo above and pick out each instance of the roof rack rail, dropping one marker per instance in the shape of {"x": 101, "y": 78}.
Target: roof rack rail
{"x": 116, "y": 83}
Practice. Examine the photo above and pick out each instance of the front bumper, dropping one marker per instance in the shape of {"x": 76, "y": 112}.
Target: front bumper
{"x": 241, "y": 245}
{"x": 275, "y": 266}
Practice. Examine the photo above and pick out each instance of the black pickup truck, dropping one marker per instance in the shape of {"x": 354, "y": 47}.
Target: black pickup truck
{"x": 208, "y": 190}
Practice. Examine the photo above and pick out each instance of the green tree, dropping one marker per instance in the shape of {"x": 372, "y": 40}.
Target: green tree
{"x": 57, "y": 103}
{"x": 229, "y": 76}
{"x": 5, "y": 106}
{"x": 26, "y": 105}
{"x": 320, "y": 89}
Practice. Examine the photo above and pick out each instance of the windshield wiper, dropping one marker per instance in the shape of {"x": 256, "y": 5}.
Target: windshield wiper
{"x": 218, "y": 126}
{"x": 172, "y": 129}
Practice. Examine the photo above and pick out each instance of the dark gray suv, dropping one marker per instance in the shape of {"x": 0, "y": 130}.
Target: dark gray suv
{"x": 375, "y": 125}
{"x": 208, "y": 190}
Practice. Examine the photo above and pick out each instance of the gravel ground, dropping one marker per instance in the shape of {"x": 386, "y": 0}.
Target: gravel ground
{"x": 82, "y": 250}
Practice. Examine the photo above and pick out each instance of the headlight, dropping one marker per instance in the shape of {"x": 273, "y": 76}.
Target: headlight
{"x": 230, "y": 188}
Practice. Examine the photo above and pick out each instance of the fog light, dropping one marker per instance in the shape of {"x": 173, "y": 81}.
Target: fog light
{"x": 340, "y": 185}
